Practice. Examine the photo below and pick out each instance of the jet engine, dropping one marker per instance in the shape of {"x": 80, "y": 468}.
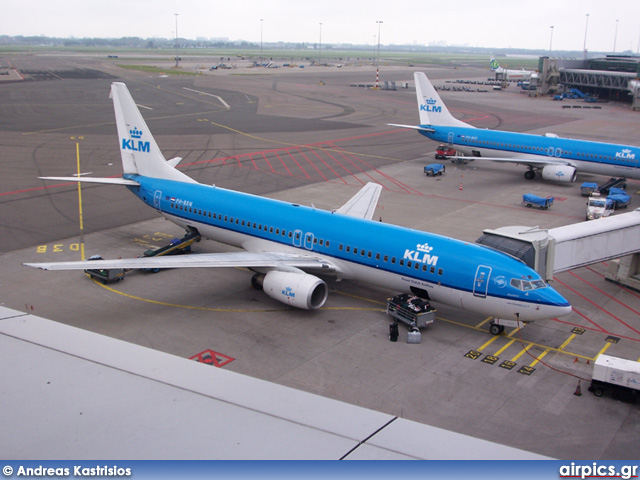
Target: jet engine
{"x": 299, "y": 290}
{"x": 559, "y": 173}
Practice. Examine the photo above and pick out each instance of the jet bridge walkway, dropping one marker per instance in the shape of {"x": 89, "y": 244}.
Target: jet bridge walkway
{"x": 571, "y": 246}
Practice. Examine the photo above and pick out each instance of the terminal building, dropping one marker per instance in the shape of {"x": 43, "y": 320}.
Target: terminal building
{"x": 614, "y": 77}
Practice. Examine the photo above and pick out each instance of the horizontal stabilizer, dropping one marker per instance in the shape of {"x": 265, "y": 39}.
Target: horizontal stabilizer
{"x": 174, "y": 161}
{"x": 363, "y": 204}
{"x": 203, "y": 260}
{"x": 106, "y": 181}
{"x": 412, "y": 127}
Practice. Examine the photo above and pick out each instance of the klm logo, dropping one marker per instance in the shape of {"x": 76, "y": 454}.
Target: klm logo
{"x": 430, "y": 106}
{"x": 288, "y": 292}
{"x": 422, "y": 254}
{"x": 134, "y": 143}
{"x": 626, "y": 154}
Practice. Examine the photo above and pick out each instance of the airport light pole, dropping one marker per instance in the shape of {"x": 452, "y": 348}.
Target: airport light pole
{"x": 584, "y": 47}
{"x": 551, "y": 40}
{"x": 615, "y": 37}
{"x": 261, "y": 21}
{"x": 320, "y": 54}
{"x": 379, "y": 22}
{"x": 177, "y": 57}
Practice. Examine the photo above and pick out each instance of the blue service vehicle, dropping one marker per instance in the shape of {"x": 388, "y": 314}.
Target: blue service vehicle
{"x": 619, "y": 198}
{"x": 588, "y": 188}
{"x": 529, "y": 199}
{"x": 434, "y": 169}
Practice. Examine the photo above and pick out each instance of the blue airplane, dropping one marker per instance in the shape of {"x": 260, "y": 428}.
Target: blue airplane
{"x": 558, "y": 159}
{"x": 288, "y": 245}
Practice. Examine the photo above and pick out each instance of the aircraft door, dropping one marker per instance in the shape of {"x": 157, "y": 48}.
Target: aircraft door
{"x": 157, "y": 196}
{"x": 481, "y": 281}
{"x": 308, "y": 241}
{"x": 297, "y": 238}
{"x": 450, "y": 138}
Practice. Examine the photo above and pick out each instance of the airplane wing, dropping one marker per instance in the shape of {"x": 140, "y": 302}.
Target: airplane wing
{"x": 202, "y": 260}
{"x": 534, "y": 162}
{"x": 108, "y": 181}
{"x": 362, "y": 204}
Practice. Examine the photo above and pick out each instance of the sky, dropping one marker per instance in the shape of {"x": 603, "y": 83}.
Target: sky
{"x": 476, "y": 23}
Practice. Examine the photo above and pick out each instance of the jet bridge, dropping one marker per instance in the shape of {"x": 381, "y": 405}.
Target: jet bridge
{"x": 571, "y": 246}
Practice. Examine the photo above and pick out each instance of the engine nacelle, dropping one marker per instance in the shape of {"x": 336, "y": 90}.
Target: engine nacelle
{"x": 299, "y": 290}
{"x": 559, "y": 173}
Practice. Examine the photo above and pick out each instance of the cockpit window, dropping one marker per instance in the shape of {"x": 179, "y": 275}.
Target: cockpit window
{"x": 527, "y": 285}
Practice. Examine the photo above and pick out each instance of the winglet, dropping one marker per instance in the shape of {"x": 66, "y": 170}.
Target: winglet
{"x": 362, "y": 204}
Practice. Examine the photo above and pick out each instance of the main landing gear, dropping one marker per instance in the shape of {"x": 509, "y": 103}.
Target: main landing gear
{"x": 530, "y": 174}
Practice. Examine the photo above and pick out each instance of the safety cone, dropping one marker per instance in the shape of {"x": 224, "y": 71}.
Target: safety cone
{"x": 575, "y": 360}
{"x": 460, "y": 187}
{"x": 578, "y": 392}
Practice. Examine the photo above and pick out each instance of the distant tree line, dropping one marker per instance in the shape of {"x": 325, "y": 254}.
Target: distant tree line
{"x": 184, "y": 43}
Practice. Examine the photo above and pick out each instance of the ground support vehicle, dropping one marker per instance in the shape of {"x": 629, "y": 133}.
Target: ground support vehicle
{"x": 434, "y": 169}
{"x": 529, "y": 199}
{"x": 177, "y": 246}
{"x": 413, "y": 311}
{"x": 443, "y": 151}
{"x": 619, "y": 198}
{"x": 612, "y": 183}
{"x": 599, "y": 207}
{"x": 587, "y": 188}
{"x": 620, "y": 376}
{"x": 103, "y": 275}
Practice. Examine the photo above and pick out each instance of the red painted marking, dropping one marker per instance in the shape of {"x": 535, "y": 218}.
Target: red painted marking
{"x": 283, "y": 164}
{"x": 597, "y": 306}
{"x": 312, "y": 164}
{"x": 210, "y": 357}
{"x": 611, "y": 298}
{"x": 341, "y": 164}
{"x": 313, "y": 150}
{"x": 268, "y": 162}
{"x": 298, "y": 164}
{"x": 404, "y": 187}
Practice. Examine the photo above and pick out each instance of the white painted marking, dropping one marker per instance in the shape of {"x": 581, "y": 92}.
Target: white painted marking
{"x": 226, "y": 105}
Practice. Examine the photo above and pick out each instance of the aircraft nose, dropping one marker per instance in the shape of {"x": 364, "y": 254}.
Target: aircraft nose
{"x": 558, "y": 306}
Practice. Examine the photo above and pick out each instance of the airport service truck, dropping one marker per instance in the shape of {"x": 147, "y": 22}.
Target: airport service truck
{"x": 615, "y": 374}
{"x": 599, "y": 207}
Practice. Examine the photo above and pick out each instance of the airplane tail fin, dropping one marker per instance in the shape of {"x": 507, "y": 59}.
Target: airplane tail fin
{"x": 139, "y": 150}
{"x": 495, "y": 66}
{"x": 431, "y": 108}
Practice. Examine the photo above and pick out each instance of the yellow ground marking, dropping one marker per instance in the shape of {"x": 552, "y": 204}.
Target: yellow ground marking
{"x": 522, "y": 352}
{"x": 603, "y": 349}
{"x": 539, "y": 357}
{"x": 489, "y": 342}
{"x": 488, "y": 319}
{"x": 210, "y": 309}
{"x": 497, "y": 354}
{"x": 573, "y": 335}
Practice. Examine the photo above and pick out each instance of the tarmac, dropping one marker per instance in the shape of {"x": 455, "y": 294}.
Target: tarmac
{"x": 313, "y": 136}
